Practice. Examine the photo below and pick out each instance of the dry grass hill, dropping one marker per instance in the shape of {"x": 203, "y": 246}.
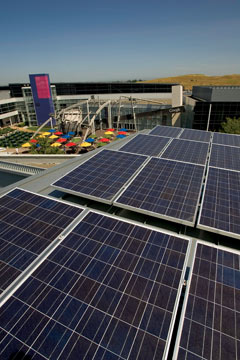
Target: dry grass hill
{"x": 188, "y": 81}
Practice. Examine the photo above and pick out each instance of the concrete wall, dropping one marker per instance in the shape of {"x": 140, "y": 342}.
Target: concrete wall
{"x": 218, "y": 93}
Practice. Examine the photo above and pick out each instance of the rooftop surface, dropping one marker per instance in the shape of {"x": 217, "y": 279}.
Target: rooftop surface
{"x": 115, "y": 283}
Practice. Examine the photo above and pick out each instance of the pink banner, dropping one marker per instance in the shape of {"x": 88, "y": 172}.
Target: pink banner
{"x": 42, "y": 85}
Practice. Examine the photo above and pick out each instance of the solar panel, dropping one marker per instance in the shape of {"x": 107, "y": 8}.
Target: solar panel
{"x": 221, "y": 203}
{"x": 211, "y": 322}
{"x": 146, "y": 145}
{"x": 165, "y": 189}
{"x": 28, "y": 223}
{"x": 226, "y": 157}
{"x": 102, "y": 176}
{"x": 197, "y": 135}
{"x": 226, "y": 139}
{"x": 166, "y": 131}
{"x": 109, "y": 291}
{"x": 188, "y": 151}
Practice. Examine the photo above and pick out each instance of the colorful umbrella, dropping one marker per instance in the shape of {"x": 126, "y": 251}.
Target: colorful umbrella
{"x": 90, "y": 140}
{"x": 51, "y": 130}
{"x": 104, "y": 140}
{"x": 61, "y": 140}
{"x": 33, "y": 141}
{"x": 26, "y": 145}
{"x": 123, "y": 129}
{"x": 122, "y": 133}
{"x": 110, "y": 129}
{"x": 41, "y": 136}
{"x": 58, "y": 133}
{"x": 121, "y": 136}
{"x": 71, "y": 133}
{"x": 37, "y": 145}
{"x": 85, "y": 144}
{"x": 46, "y": 133}
{"x": 56, "y": 144}
{"x": 108, "y": 133}
{"x": 66, "y": 136}
{"x": 71, "y": 144}
{"x": 53, "y": 137}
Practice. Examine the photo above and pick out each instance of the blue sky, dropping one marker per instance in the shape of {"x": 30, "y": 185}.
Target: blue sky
{"x": 105, "y": 40}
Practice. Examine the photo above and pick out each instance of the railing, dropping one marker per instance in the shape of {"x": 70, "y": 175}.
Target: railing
{"x": 25, "y": 169}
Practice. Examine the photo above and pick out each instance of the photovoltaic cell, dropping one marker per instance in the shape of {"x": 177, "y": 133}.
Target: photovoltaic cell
{"x": 221, "y": 203}
{"x": 226, "y": 139}
{"x": 166, "y": 131}
{"x": 102, "y": 176}
{"x": 197, "y": 135}
{"x": 225, "y": 157}
{"x": 188, "y": 151}
{"x": 28, "y": 223}
{"x": 211, "y": 323}
{"x": 166, "y": 189}
{"x": 146, "y": 145}
{"x": 108, "y": 291}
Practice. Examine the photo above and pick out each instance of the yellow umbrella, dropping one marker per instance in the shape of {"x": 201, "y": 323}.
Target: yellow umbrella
{"x": 53, "y": 137}
{"x": 41, "y": 136}
{"x": 85, "y": 144}
{"x": 108, "y": 133}
{"x": 26, "y": 145}
{"x": 46, "y": 133}
{"x": 56, "y": 144}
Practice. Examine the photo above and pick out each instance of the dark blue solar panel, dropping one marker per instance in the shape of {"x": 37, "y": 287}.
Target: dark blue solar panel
{"x": 166, "y": 189}
{"x": 188, "y": 151}
{"x": 107, "y": 292}
{"x": 146, "y": 145}
{"x": 221, "y": 202}
{"x": 226, "y": 139}
{"x": 211, "y": 323}
{"x": 28, "y": 223}
{"x": 197, "y": 135}
{"x": 226, "y": 157}
{"x": 102, "y": 176}
{"x": 166, "y": 131}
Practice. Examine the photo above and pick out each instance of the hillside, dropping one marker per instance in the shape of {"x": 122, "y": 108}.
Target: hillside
{"x": 188, "y": 81}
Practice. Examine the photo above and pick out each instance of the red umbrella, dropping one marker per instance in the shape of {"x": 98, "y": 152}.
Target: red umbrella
{"x": 33, "y": 141}
{"x": 71, "y": 144}
{"x": 104, "y": 140}
{"x": 122, "y": 133}
{"x": 61, "y": 140}
{"x": 110, "y": 129}
{"x": 58, "y": 133}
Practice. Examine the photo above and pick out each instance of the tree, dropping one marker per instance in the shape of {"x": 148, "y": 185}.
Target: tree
{"x": 231, "y": 126}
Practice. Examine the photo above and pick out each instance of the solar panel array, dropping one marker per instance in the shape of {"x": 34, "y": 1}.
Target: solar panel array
{"x": 28, "y": 224}
{"x": 168, "y": 131}
{"x": 187, "y": 151}
{"x": 221, "y": 202}
{"x": 166, "y": 189}
{"x": 197, "y": 135}
{"x": 226, "y": 139}
{"x": 146, "y": 145}
{"x": 211, "y": 322}
{"x": 110, "y": 290}
{"x": 225, "y": 157}
{"x": 102, "y": 176}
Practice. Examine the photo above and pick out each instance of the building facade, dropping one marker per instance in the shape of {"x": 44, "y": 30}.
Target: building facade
{"x": 209, "y": 106}
{"x": 19, "y": 106}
